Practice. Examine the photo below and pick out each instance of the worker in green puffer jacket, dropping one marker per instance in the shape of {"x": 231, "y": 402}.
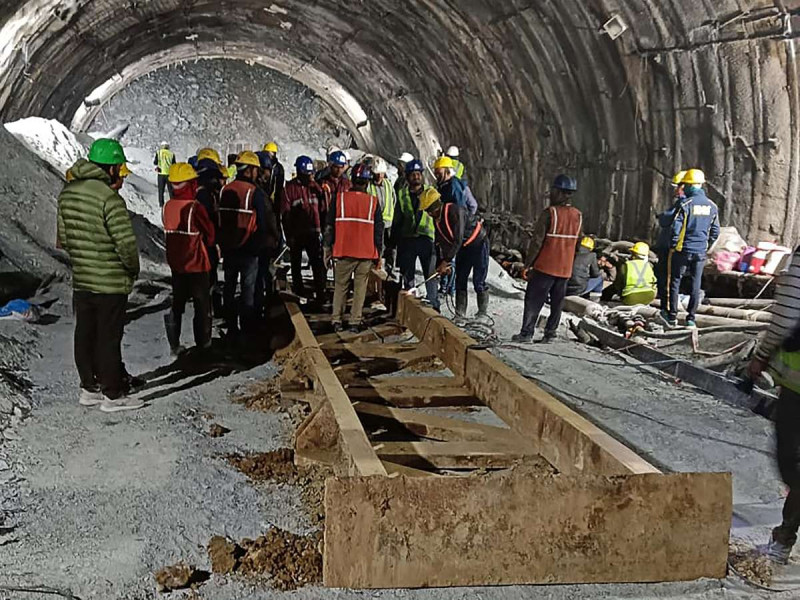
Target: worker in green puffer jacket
{"x": 95, "y": 229}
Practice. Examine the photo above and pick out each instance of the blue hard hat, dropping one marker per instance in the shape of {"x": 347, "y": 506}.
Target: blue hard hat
{"x": 338, "y": 158}
{"x": 265, "y": 159}
{"x": 565, "y": 183}
{"x": 415, "y": 165}
{"x": 362, "y": 171}
{"x": 304, "y": 164}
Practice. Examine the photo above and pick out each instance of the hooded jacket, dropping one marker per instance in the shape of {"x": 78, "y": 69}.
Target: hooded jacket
{"x": 95, "y": 229}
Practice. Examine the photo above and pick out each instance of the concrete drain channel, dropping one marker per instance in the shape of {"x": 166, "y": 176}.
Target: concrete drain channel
{"x": 424, "y": 494}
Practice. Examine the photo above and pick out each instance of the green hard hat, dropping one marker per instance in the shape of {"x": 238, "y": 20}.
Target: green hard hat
{"x": 107, "y": 152}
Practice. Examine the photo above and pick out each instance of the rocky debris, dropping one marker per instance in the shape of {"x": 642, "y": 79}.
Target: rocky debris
{"x": 278, "y": 467}
{"x": 289, "y": 560}
{"x": 265, "y": 396}
{"x": 216, "y": 430}
{"x": 750, "y": 564}
{"x": 228, "y": 104}
{"x": 178, "y": 577}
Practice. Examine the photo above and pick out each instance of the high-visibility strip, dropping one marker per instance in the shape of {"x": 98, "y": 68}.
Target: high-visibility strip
{"x": 554, "y": 214}
{"x": 475, "y": 233}
{"x": 447, "y": 222}
{"x": 241, "y": 210}
{"x": 353, "y": 220}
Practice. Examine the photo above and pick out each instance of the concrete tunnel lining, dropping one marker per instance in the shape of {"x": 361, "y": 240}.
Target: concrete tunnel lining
{"x": 525, "y": 89}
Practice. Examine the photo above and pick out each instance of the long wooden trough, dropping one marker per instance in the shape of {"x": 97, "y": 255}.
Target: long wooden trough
{"x": 429, "y": 500}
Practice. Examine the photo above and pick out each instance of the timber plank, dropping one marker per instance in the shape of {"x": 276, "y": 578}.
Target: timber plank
{"x": 415, "y": 394}
{"x": 454, "y": 455}
{"x": 360, "y": 458}
{"x": 567, "y": 440}
{"x": 512, "y": 529}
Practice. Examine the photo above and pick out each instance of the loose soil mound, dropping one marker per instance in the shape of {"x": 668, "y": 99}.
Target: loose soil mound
{"x": 265, "y": 396}
{"x": 750, "y": 564}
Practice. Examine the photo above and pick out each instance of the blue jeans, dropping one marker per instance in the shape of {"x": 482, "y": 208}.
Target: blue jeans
{"x": 473, "y": 259}
{"x": 238, "y": 266}
{"x": 594, "y": 286}
{"x": 685, "y": 264}
{"x": 662, "y": 277}
{"x": 408, "y": 251}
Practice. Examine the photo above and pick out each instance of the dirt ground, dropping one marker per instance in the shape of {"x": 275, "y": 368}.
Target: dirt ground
{"x": 105, "y": 501}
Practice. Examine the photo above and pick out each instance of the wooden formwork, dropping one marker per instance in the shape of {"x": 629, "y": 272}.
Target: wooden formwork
{"x": 450, "y": 502}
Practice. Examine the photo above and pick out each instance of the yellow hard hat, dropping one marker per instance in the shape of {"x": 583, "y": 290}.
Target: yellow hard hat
{"x": 248, "y": 158}
{"x": 694, "y": 177}
{"x": 209, "y": 153}
{"x": 444, "y": 162}
{"x": 428, "y": 198}
{"x": 124, "y": 171}
{"x": 678, "y": 179}
{"x": 587, "y": 242}
{"x": 181, "y": 172}
{"x": 641, "y": 249}
{"x": 271, "y": 147}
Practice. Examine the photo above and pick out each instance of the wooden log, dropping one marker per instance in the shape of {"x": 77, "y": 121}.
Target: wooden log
{"x": 728, "y": 312}
{"x": 567, "y": 440}
{"x": 455, "y": 455}
{"x": 413, "y": 392}
{"x": 516, "y": 529}
{"x": 757, "y": 303}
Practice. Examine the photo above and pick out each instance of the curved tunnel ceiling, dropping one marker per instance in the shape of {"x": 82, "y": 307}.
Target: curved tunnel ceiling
{"x": 526, "y": 88}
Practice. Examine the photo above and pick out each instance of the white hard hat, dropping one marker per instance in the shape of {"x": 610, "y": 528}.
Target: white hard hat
{"x": 406, "y": 157}
{"x": 380, "y": 166}
{"x": 165, "y": 144}
{"x": 452, "y": 152}
{"x": 347, "y": 156}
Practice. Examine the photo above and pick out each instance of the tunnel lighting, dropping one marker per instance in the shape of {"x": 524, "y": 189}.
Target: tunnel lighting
{"x": 615, "y": 27}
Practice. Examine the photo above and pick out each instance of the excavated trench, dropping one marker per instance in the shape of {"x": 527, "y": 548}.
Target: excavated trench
{"x": 526, "y": 89}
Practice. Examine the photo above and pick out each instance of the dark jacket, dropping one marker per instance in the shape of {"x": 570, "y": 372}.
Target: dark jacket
{"x": 452, "y": 190}
{"x": 277, "y": 183}
{"x": 266, "y": 235}
{"x": 665, "y": 220}
{"x": 300, "y": 213}
{"x": 455, "y": 226}
{"x": 696, "y": 224}
{"x": 584, "y": 268}
{"x": 95, "y": 229}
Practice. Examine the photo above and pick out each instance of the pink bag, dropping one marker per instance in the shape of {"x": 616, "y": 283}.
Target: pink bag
{"x": 726, "y": 261}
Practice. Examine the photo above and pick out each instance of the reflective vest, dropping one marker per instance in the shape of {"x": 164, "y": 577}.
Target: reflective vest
{"x": 640, "y": 282}
{"x": 231, "y": 173}
{"x": 446, "y": 232}
{"x": 355, "y": 226}
{"x": 415, "y": 223}
{"x": 385, "y": 194}
{"x": 558, "y": 250}
{"x": 237, "y": 217}
{"x": 785, "y": 368}
{"x": 186, "y": 252}
{"x": 459, "y": 168}
{"x": 165, "y": 160}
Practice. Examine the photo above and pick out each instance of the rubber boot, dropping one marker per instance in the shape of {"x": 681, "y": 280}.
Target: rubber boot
{"x": 461, "y": 304}
{"x": 483, "y": 304}
{"x": 172, "y": 324}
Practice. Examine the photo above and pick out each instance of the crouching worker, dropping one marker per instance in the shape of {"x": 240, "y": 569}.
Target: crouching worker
{"x": 460, "y": 235}
{"x": 354, "y": 238}
{"x": 586, "y": 277}
{"x": 636, "y": 281}
{"x": 189, "y": 233}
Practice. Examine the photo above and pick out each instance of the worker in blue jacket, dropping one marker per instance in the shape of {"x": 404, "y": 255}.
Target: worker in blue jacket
{"x": 694, "y": 231}
{"x": 661, "y": 247}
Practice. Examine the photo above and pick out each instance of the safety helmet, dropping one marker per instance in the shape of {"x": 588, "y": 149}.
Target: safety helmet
{"x": 271, "y": 147}
{"x": 338, "y": 158}
{"x": 694, "y": 177}
{"x": 566, "y": 184}
{"x": 406, "y": 157}
{"x": 264, "y": 159}
{"x": 107, "y": 152}
{"x": 124, "y": 171}
{"x": 208, "y": 164}
{"x": 347, "y": 156}
{"x": 444, "y": 162}
{"x": 165, "y": 144}
{"x": 362, "y": 171}
{"x": 248, "y": 158}
{"x": 304, "y": 164}
{"x": 678, "y": 179}
{"x": 641, "y": 249}
{"x": 414, "y": 166}
{"x": 209, "y": 153}
{"x": 428, "y": 198}
{"x": 588, "y": 243}
{"x": 452, "y": 152}
{"x": 180, "y": 172}
{"x": 380, "y": 167}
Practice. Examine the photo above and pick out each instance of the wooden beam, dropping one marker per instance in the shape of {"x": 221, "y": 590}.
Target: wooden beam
{"x": 454, "y": 455}
{"x": 395, "y": 470}
{"x": 510, "y": 529}
{"x": 358, "y": 456}
{"x": 413, "y": 392}
{"x": 567, "y": 440}
{"x": 373, "y": 333}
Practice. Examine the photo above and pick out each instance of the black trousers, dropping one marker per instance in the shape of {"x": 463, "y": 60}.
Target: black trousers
{"x": 313, "y": 247}
{"x": 264, "y": 284}
{"x": 541, "y": 287}
{"x": 163, "y": 183}
{"x": 99, "y": 325}
{"x": 197, "y": 288}
{"x": 787, "y": 430}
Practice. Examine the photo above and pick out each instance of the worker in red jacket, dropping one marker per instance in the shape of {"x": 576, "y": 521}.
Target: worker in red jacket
{"x": 354, "y": 238}
{"x": 334, "y": 182}
{"x": 300, "y": 215}
{"x": 189, "y": 233}
{"x": 550, "y": 258}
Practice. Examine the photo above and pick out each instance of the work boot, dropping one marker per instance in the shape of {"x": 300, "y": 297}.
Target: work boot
{"x": 483, "y": 304}
{"x": 172, "y": 323}
{"x": 548, "y": 338}
{"x": 355, "y": 327}
{"x": 462, "y": 299}
{"x": 338, "y": 327}
{"x": 120, "y": 404}
{"x": 664, "y": 318}
{"x": 522, "y": 338}
{"x": 778, "y": 552}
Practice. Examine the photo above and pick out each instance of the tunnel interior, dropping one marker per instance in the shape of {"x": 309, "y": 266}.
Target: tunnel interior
{"x": 618, "y": 93}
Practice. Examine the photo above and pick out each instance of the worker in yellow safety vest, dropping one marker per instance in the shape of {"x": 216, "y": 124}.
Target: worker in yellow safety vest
{"x": 636, "y": 280}
{"x": 163, "y": 161}
{"x": 458, "y": 166}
